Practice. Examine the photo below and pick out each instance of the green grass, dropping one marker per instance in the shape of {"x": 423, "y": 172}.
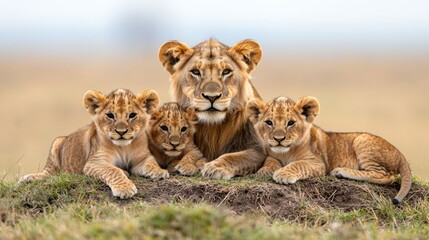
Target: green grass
{"x": 79, "y": 207}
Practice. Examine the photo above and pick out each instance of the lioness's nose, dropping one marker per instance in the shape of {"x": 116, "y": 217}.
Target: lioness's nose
{"x": 211, "y": 98}
{"x": 121, "y": 132}
{"x": 279, "y": 139}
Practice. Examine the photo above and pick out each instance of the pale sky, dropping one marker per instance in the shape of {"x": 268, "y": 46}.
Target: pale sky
{"x": 293, "y": 21}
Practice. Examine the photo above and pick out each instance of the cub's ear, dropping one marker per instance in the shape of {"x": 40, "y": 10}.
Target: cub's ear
{"x": 191, "y": 115}
{"x": 148, "y": 99}
{"x": 93, "y": 100}
{"x": 155, "y": 114}
{"x": 308, "y": 107}
{"x": 249, "y": 52}
{"x": 254, "y": 109}
{"x": 170, "y": 53}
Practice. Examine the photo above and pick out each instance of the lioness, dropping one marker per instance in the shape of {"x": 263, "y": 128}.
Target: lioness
{"x": 171, "y": 142}
{"x": 215, "y": 80}
{"x": 113, "y": 142}
{"x": 297, "y": 149}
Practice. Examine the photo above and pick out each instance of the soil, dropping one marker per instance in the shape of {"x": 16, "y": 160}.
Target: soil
{"x": 278, "y": 201}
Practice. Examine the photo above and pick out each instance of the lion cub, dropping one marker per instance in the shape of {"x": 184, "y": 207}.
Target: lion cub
{"x": 297, "y": 149}
{"x": 115, "y": 141}
{"x": 171, "y": 139}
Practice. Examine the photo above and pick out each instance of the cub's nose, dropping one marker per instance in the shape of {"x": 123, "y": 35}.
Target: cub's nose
{"x": 279, "y": 139}
{"x": 121, "y": 132}
{"x": 212, "y": 98}
{"x": 174, "y": 141}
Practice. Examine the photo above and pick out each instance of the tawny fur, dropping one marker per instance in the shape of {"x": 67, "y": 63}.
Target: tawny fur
{"x": 171, "y": 142}
{"x": 113, "y": 144}
{"x": 215, "y": 80}
{"x": 297, "y": 149}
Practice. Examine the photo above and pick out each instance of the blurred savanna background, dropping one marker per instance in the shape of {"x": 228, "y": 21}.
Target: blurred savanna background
{"x": 366, "y": 61}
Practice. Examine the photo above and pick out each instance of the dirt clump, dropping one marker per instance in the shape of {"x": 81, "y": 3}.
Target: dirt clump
{"x": 275, "y": 200}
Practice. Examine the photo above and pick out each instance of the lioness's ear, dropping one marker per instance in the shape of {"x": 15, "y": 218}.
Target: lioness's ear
{"x": 148, "y": 99}
{"x": 249, "y": 52}
{"x": 170, "y": 53}
{"x": 309, "y": 107}
{"x": 93, "y": 100}
{"x": 254, "y": 109}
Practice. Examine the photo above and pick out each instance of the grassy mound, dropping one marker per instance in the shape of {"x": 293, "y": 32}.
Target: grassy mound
{"x": 74, "y": 206}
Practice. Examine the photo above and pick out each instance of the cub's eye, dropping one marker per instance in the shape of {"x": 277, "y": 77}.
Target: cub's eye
{"x": 183, "y": 129}
{"x": 196, "y": 72}
{"x": 226, "y": 72}
{"x": 164, "y": 128}
{"x": 110, "y": 116}
{"x": 132, "y": 115}
{"x": 269, "y": 123}
{"x": 290, "y": 123}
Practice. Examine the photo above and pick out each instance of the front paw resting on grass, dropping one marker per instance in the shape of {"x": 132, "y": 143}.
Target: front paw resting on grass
{"x": 265, "y": 172}
{"x": 157, "y": 174}
{"x": 124, "y": 190}
{"x": 338, "y": 172}
{"x": 213, "y": 170}
{"x": 283, "y": 176}
{"x": 186, "y": 168}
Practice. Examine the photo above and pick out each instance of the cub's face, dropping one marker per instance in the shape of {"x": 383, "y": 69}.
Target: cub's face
{"x": 171, "y": 128}
{"x": 211, "y": 77}
{"x": 120, "y": 116}
{"x": 282, "y": 124}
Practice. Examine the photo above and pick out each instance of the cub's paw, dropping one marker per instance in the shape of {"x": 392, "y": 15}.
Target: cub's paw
{"x": 157, "y": 174}
{"x": 126, "y": 173}
{"x": 212, "y": 170}
{"x": 284, "y": 177}
{"x": 31, "y": 177}
{"x": 187, "y": 169}
{"x": 338, "y": 172}
{"x": 200, "y": 163}
{"x": 27, "y": 178}
{"x": 124, "y": 190}
{"x": 265, "y": 172}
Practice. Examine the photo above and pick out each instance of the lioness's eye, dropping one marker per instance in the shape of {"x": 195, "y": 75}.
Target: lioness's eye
{"x": 183, "y": 129}
{"x": 226, "y": 71}
{"x": 110, "y": 116}
{"x": 290, "y": 123}
{"x": 132, "y": 115}
{"x": 164, "y": 128}
{"x": 269, "y": 123}
{"x": 196, "y": 72}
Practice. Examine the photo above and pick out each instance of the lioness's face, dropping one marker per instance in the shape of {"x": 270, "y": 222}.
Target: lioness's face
{"x": 120, "y": 116}
{"x": 282, "y": 124}
{"x": 211, "y": 77}
{"x": 171, "y": 128}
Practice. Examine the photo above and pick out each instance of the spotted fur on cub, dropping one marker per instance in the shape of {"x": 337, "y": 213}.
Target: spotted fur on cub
{"x": 297, "y": 149}
{"x": 111, "y": 145}
{"x": 171, "y": 142}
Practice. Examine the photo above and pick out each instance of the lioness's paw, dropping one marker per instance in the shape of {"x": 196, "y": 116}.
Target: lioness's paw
{"x": 187, "y": 169}
{"x": 157, "y": 174}
{"x": 124, "y": 190}
{"x": 213, "y": 171}
{"x": 265, "y": 172}
{"x": 284, "y": 177}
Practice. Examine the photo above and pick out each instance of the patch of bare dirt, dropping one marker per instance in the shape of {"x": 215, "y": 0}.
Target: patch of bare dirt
{"x": 278, "y": 201}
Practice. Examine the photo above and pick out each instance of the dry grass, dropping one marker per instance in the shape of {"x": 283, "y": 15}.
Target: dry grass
{"x": 41, "y": 97}
{"x": 78, "y": 207}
